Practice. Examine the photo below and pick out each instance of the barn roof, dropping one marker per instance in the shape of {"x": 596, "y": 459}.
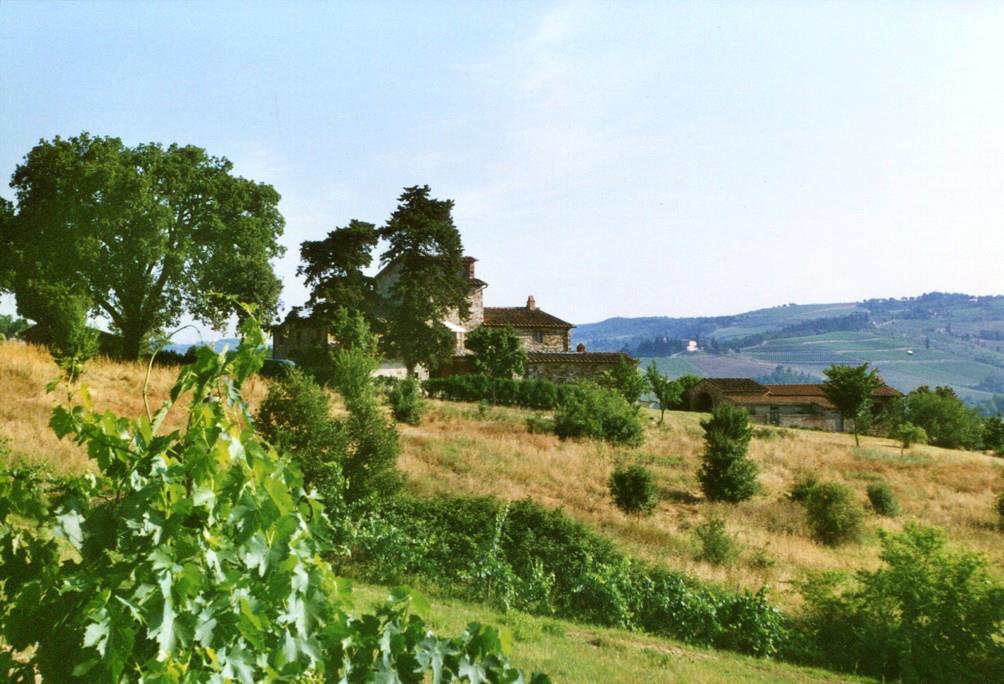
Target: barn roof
{"x": 522, "y": 317}
{"x": 737, "y": 385}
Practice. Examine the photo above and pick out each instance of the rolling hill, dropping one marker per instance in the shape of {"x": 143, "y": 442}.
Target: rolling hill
{"x": 934, "y": 339}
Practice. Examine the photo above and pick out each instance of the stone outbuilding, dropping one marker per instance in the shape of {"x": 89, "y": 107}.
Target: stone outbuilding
{"x": 803, "y": 406}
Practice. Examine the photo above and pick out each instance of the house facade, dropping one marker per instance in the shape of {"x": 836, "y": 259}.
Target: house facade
{"x": 803, "y": 406}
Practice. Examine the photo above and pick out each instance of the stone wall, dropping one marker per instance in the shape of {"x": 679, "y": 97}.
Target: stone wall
{"x": 552, "y": 339}
{"x": 566, "y": 371}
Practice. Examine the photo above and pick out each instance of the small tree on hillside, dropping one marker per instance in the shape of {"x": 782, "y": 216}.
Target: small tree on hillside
{"x": 909, "y": 434}
{"x": 625, "y": 379}
{"x": 498, "y": 352}
{"x": 850, "y": 389}
{"x": 727, "y": 474}
{"x": 666, "y": 391}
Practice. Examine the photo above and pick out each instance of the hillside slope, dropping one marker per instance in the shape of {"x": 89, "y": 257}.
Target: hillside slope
{"x": 569, "y": 652}
{"x": 464, "y": 449}
{"x": 934, "y": 339}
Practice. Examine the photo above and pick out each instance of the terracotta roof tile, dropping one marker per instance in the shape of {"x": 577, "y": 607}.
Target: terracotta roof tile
{"x": 576, "y": 357}
{"x": 738, "y": 385}
{"x": 522, "y": 317}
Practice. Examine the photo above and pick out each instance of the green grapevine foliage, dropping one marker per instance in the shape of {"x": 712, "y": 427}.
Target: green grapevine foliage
{"x": 196, "y": 555}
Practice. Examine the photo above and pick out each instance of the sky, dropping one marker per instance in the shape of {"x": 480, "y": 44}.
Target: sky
{"x": 611, "y": 159}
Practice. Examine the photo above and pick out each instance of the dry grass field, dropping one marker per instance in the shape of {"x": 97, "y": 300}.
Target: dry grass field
{"x": 25, "y": 406}
{"x": 464, "y": 449}
{"x": 460, "y": 448}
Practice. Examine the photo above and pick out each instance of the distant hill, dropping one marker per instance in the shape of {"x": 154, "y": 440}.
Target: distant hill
{"x": 218, "y": 345}
{"x": 934, "y": 339}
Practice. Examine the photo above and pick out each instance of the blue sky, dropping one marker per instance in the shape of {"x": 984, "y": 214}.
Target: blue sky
{"x": 609, "y": 158}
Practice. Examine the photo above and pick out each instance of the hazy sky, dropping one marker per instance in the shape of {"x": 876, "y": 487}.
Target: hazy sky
{"x": 610, "y": 158}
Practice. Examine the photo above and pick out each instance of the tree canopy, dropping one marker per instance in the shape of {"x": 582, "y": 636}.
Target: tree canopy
{"x": 144, "y": 233}
{"x": 334, "y": 269}
{"x": 498, "y": 352}
{"x": 426, "y": 252}
{"x": 850, "y": 389}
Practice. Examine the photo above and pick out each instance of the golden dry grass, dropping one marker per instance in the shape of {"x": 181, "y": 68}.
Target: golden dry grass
{"x": 460, "y": 449}
{"x": 25, "y": 406}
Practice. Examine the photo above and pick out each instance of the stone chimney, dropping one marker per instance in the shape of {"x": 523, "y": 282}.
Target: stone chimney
{"x": 531, "y": 304}
{"x": 469, "y": 267}
{"x": 581, "y": 348}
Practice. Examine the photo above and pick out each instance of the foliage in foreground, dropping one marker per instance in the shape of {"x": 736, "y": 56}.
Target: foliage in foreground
{"x": 928, "y": 615}
{"x": 196, "y": 556}
{"x": 526, "y": 557}
{"x": 727, "y": 473}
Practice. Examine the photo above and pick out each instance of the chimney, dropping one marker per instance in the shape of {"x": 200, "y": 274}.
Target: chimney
{"x": 581, "y": 348}
{"x": 469, "y": 267}
{"x": 531, "y": 304}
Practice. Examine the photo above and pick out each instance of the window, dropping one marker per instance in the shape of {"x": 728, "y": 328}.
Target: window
{"x": 538, "y": 336}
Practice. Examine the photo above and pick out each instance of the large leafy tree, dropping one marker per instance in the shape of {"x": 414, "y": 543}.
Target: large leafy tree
{"x": 498, "y": 352}
{"x": 334, "y": 269}
{"x": 949, "y": 423}
{"x": 145, "y": 233}
{"x": 850, "y": 389}
{"x": 426, "y": 255}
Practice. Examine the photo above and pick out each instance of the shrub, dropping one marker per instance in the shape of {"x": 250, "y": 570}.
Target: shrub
{"x": 927, "y": 615}
{"x": 799, "y": 491}
{"x": 726, "y": 473}
{"x": 539, "y": 560}
{"x": 533, "y": 394}
{"x": 633, "y": 489}
{"x": 295, "y": 417}
{"x": 598, "y": 413}
{"x": 715, "y": 544}
{"x": 539, "y": 425}
{"x": 999, "y": 506}
{"x": 882, "y": 500}
{"x": 834, "y": 515}
{"x": 909, "y": 434}
{"x": 406, "y": 402}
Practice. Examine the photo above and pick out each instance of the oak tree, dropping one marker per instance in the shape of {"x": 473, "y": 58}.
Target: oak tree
{"x": 145, "y": 233}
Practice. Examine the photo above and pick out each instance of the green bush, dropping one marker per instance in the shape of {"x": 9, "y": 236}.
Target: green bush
{"x": 598, "y": 413}
{"x": 799, "y": 491}
{"x": 882, "y": 500}
{"x": 625, "y": 379}
{"x": 909, "y": 434}
{"x": 715, "y": 544}
{"x": 927, "y": 615}
{"x": 834, "y": 514}
{"x": 540, "y": 394}
{"x": 726, "y": 473}
{"x": 295, "y": 417}
{"x": 556, "y": 565}
{"x": 999, "y": 506}
{"x": 406, "y": 401}
{"x": 633, "y": 489}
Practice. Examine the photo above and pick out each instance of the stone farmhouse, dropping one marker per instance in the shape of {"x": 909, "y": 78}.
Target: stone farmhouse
{"x": 545, "y": 337}
{"x": 803, "y": 406}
